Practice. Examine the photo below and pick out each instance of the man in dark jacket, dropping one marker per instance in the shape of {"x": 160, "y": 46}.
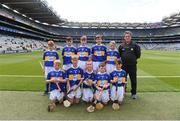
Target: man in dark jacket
{"x": 130, "y": 52}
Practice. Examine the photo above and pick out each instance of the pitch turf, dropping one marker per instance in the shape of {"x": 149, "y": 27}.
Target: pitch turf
{"x": 32, "y": 105}
{"x": 158, "y": 87}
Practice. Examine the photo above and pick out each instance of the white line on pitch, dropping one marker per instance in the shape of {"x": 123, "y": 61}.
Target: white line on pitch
{"x": 39, "y": 76}
{"x": 23, "y": 76}
{"x": 41, "y": 65}
{"x": 158, "y": 76}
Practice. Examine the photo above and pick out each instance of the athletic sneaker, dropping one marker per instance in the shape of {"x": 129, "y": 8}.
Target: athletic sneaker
{"x": 134, "y": 96}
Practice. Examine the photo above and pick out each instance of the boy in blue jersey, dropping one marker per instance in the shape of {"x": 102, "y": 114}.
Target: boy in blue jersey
{"x": 112, "y": 56}
{"x": 98, "y": 53}
{"x": 49, "y": 57}
{"x": 88, "y": 83}
{"x": 74, "y": 79}
{"x": 102, "y": 80}
{"x": 68, "y": 51}
{"x": 118, "y": 77}
{"x": 57, "y": 81}
{"x": 83, "y": 52}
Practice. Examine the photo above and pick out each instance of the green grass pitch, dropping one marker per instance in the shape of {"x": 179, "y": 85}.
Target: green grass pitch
{"x": 22, "y": 84}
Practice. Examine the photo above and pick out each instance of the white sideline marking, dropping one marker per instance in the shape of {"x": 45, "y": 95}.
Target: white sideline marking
{"x": 23, "y": 76}
{"x": 39, "y": 76}
{"x": 158, "y": 76}
{"x": 41, "y": 65}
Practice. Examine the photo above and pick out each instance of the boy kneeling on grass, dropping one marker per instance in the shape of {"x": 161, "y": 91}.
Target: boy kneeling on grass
{"x": 75, "y": 76}
{"x": 56, "y": 79}
{"x": 88, "y": 83}
{"x": 102, "y": 84}
{"x": 118, "y": 77}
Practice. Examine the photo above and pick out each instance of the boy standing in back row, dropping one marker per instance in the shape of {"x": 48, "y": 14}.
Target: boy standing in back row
{"x": 49, "y": 57}
{"x": 98, "y": 53}
{"x": 83, "y": 52}
{"x": 68, "y": 51}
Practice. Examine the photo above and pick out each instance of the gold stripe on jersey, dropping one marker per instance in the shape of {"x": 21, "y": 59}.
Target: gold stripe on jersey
{"x": 99, "y": 53}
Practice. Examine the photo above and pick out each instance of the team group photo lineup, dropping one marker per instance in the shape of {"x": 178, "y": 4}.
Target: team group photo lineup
{"x": 96, "y": 75}
{"x": 89, "y": 60}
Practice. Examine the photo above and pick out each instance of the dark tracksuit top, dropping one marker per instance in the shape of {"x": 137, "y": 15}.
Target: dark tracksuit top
{"x": 129, "y": 54}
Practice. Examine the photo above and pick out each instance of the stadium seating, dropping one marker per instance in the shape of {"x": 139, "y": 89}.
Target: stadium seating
{"x": 161, "y": 46}
{"x": 11, "y": 44}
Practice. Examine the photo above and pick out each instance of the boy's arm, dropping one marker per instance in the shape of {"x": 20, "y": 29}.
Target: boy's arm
{"x": 51, "y": 80}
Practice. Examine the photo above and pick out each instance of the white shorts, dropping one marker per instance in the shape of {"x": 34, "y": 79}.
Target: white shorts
{"x": 75, "y": 94}
{"x": 110, "y": 68}
{"x": 87, "y": 95}
{"x": 47, "y": 70}
{"x": 119, "y": 95}
{"x": 66, "y": 67}
{"x": 82, "y": 65}
{"x": 96, "y": 66}
{"x": 56, "y": 95}
{"x": 104, "y": 97}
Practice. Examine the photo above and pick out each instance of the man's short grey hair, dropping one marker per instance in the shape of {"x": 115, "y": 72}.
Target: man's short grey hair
{"x": 128, "y": 32}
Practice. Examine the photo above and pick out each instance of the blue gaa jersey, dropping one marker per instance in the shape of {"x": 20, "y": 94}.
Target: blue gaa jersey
{"x": 102, "y": 79}
{"x": 74, "y": 75}
{"x": 99, "y": 53}
{"x": 83, "y": 52}
{"x": 112, "y": 55}
{"x": 118, "y": 74}
{"x": 49, "y": 57}
{"x": 88, "y": 75}
{"x": 67, "y": 53}
{"x": 57, "y": 74}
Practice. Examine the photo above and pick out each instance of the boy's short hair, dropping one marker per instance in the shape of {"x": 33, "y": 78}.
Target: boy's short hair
{"x": 102, "y": 64}
{"x": 57, "y": 61}
{"x": 84, "y": 37}
{"x": 74, "y": 57}
{"x": 89, "y": 61}
{"x": 99, "y": 36}
{"x": 118, "y": 61}
{"x": 112, "y": 42}
{"x": 69, "y": 39}
{"x": 51, "y": 43}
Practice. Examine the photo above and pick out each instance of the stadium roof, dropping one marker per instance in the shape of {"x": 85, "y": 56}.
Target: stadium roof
{"x": 173, "y": 20}
{"x": 107, "y": 25}
{"x": 40, "y": 12}
{"x": 37, "y": 10}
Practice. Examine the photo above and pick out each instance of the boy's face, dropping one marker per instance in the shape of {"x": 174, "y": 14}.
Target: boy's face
{"x": 75, "y": 62}
{"x": 89, "y": 65}
{"x": 118, "y": 66}
{"x": 99, "y": 40}
{"x": 111, "y": 46}
{"x": 50, "y": 45}
{"x": 69, "y": 42}
{"x": 57, "y": 66}
{"x": 102, "y": 69}
{"x": 83, "y": 41}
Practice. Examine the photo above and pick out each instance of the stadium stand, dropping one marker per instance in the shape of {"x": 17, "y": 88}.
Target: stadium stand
{"x": 10, "y": 44}
{"x": 33, "y": 27}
